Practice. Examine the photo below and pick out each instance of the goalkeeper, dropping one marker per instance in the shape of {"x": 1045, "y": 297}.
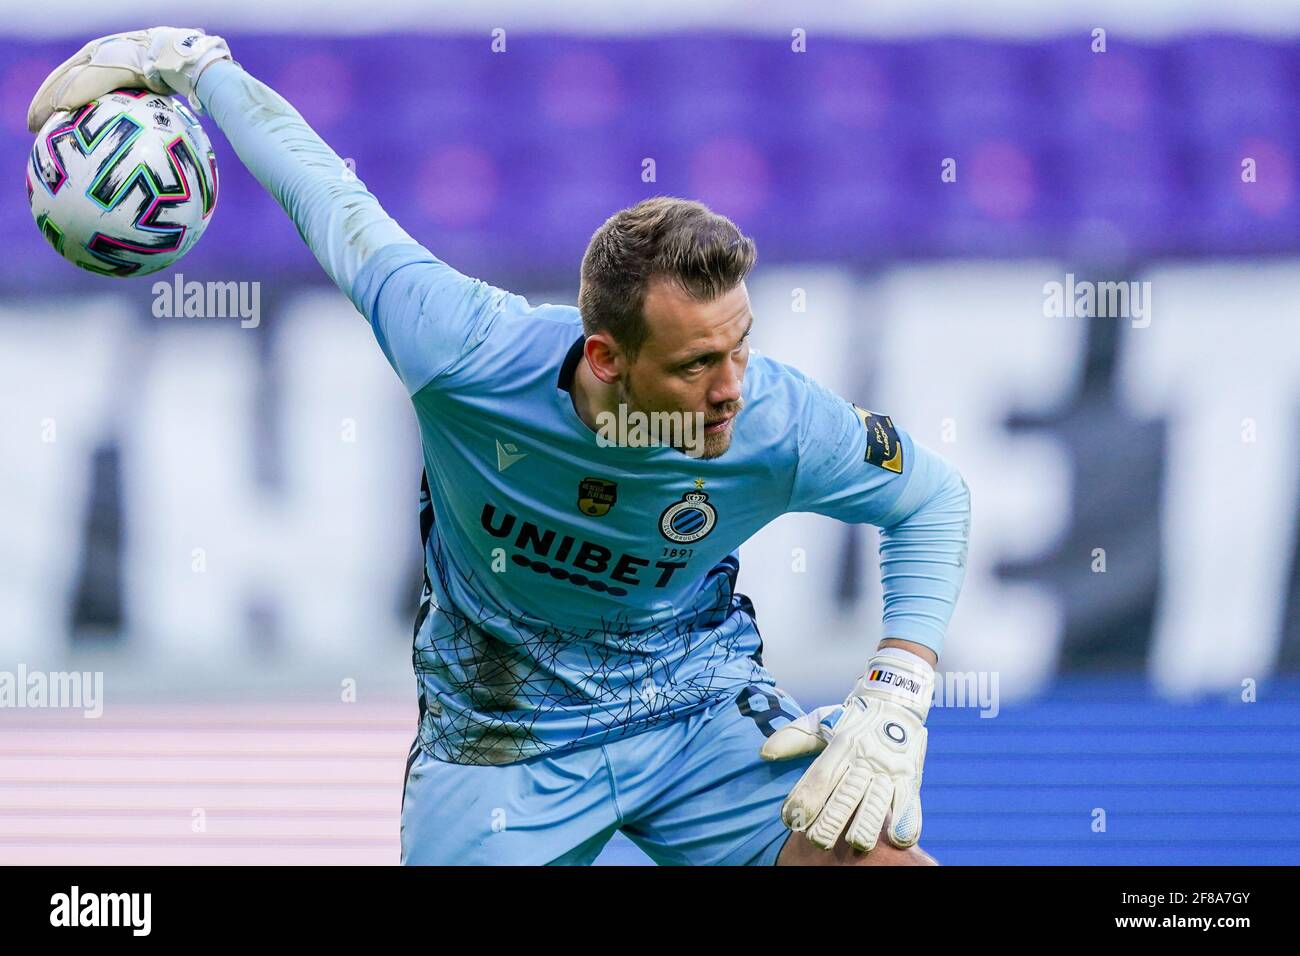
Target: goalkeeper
{"x": 584, "y": 661}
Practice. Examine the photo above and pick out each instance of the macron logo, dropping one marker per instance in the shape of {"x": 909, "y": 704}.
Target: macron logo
{"x": 506, "y": 455}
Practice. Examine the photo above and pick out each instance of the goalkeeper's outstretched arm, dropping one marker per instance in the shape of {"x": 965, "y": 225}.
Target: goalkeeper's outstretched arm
{"x": 337, "y": 217}
{"x": 424, "y": 313}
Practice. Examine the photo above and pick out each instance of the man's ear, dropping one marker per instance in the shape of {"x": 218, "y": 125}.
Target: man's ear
{"x": 604, "y": 357}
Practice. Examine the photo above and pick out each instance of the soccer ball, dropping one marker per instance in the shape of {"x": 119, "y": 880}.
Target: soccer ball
{"x": 125, "y": 185}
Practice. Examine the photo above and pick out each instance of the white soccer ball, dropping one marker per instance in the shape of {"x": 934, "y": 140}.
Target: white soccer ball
{"x": 125, "y": 185}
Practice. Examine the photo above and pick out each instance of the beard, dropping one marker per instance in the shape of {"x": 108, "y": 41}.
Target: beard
{"x": 702, "y": 444}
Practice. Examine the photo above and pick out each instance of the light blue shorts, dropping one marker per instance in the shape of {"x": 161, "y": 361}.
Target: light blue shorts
{"x": 693, "y": 791}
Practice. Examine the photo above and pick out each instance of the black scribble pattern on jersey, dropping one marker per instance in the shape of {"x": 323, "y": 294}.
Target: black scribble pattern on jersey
{"x": 482, "y": 694}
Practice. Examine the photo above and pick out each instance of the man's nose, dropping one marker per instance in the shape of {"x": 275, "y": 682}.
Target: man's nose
{"x": 727, "y": 387}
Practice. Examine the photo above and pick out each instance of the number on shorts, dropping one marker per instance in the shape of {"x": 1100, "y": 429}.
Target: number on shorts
{"x": 763, "y": 718}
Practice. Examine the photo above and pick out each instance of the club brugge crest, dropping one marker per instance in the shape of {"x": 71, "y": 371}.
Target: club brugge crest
{"x": 596, "y": 496}
{"x": 688, "y": 520}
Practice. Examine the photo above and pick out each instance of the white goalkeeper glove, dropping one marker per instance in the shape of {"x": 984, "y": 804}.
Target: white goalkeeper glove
{"x": 162, "y": 60}
{"x": 872, "y": 751}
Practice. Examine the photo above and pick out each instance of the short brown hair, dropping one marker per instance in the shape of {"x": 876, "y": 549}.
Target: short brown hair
{"x": 680, "y": 240}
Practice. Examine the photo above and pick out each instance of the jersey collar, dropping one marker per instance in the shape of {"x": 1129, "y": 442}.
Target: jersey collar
{"x": 569, "y": 368}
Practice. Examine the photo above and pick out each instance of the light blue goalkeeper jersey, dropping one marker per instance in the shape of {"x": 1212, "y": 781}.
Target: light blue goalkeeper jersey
{"x": 576, "y": 592}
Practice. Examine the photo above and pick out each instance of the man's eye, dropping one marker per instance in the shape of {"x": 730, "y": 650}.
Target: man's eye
{"x": 696, "y": 365}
